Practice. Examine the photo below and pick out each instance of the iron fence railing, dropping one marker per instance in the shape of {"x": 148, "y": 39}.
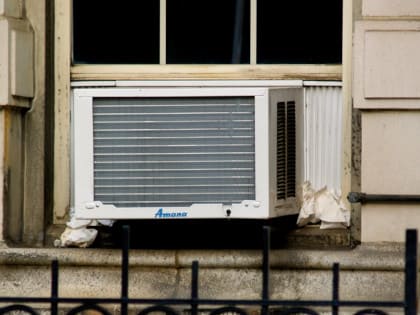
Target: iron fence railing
{"x": 221, "y": 306}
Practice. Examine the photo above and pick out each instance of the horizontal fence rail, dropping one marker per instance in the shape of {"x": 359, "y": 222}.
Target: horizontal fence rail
{"x": 220, "y": 306}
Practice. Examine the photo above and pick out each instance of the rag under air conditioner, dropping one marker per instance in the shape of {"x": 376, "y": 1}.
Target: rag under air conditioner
{"x": 186, "y": 152}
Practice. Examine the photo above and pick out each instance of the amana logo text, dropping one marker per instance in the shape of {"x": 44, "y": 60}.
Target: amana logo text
{"x": 161, "y": 214}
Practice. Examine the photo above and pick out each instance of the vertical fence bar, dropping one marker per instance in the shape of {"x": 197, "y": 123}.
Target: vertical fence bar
{"x": 266, "y": 269}
{"x": 124, "y": 270}
{"x": 411, "y": 269}
{"x": 194, "y": 288}
{"x": 335, "y": 291}
{"x": 54, "y": 287}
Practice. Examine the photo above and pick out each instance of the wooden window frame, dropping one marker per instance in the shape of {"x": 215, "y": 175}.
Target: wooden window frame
{"x": 65, "y": 73}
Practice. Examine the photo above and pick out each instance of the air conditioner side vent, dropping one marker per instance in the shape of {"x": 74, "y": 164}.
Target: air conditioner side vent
{"x": 286, "y": 150}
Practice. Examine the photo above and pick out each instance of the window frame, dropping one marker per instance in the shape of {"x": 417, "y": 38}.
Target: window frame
{"x": 164, "y": 71}
{"x": 252, "y": 44}
{"x": 65, "y": 73}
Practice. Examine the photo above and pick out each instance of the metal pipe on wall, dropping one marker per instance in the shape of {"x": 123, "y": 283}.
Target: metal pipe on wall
{"x": 359, "y": 197}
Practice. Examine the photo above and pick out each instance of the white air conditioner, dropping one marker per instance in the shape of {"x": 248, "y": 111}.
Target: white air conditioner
{"x": 154, "y": 153}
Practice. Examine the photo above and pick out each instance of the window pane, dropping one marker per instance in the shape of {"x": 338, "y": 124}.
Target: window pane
{"x": 304, "y": 31}
{"x": 116, "y": 31}
{"x": 202, "y": 32}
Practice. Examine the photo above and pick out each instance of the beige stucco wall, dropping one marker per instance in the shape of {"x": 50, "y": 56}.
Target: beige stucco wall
{"x": 386, "y": 90}
{"x": 386, "y": 67}
{"x": 22, "y": 104}
{"x": 388, "y": 222}
{"x": 391, "y": 8}
{"x": 34, "y": 120}
{"x": 390, "y": 152}
{"x": 390, "y": 165}
{"x": 16, "y": 55}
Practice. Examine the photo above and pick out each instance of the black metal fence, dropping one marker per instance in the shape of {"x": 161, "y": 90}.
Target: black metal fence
{"x": 222, "y": 306}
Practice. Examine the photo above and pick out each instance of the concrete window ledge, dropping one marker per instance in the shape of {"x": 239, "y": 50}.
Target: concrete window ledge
{"x": 372, "y": 272}
{"x": 364, "y": 257}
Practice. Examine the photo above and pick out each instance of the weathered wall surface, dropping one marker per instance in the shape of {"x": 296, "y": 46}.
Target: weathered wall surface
{"x": 374, "y": 273}
{"x": 386, "y": 90}
{"x": 390, "y": 166}
{"x": 15, "y": 92}
{"x": 22, "y": 84}
{"x": 34, "y": 120}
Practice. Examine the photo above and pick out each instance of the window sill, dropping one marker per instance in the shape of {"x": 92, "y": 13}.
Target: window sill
{"x": 312, "y": 237}
{"x": 243, "y": 235}
{"x": 363, "y": 257}
{"x": 206, "y": 72}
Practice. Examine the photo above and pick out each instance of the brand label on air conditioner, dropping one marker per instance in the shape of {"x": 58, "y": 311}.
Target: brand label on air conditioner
{"x": 171, "y": 214}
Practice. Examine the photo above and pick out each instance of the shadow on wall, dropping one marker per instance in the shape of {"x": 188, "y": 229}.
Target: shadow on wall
{"x": 196, "y": 234}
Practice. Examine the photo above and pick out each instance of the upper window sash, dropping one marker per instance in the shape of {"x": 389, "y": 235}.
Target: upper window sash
{"x": 170, "y": 32}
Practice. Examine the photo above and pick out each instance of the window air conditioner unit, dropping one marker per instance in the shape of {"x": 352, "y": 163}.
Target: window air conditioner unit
{"x": 153, "y": 153}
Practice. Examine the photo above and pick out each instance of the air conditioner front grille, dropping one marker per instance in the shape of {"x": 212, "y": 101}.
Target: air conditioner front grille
{"x": 286, "y": 150}
{"x": 173, "y": 151}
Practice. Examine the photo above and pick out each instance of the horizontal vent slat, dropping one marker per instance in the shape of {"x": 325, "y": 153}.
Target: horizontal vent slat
{"x": 173, "y": 102}
{"x": 175, "y": 169}
{"x": 171, "y": 122}
{"x": 172, "y": 167}
{"x": 156, "y": 102}
{"x": 186, "y": 154}
{"x": 203, "y": 144}
{"x": 172, "y": 162}
{"x": 175, "y": 145}
{"x": 170, "y": 186}
{"x": 177, "y": 178}
{"x": 172, "y": 132}
{"x": 173, "y": 150}
{"x": 172, "y": 158}
{"x": 167, "y": 113}
{"x": 183, "y": 193}
{"x": 239, "y": 181}
{"x": 170, "y": 125}
{"x": 185, "y": 137}
{"x": 174, "y": 173}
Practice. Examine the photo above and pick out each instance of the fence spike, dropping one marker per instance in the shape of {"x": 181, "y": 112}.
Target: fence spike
{"x": 266, "y": 268}
{"x": 194, "y": 287}
{"x": 54, "y": 287}
{"x": 336, "y": 288}
{"x": 411, "y": 270}
{"x": 124, "y": 269}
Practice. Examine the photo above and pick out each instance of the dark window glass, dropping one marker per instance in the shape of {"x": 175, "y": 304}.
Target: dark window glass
{"x": 208, "y": 31}
{"x": 116, "y": 31}
{"x": 304, "y": 31}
